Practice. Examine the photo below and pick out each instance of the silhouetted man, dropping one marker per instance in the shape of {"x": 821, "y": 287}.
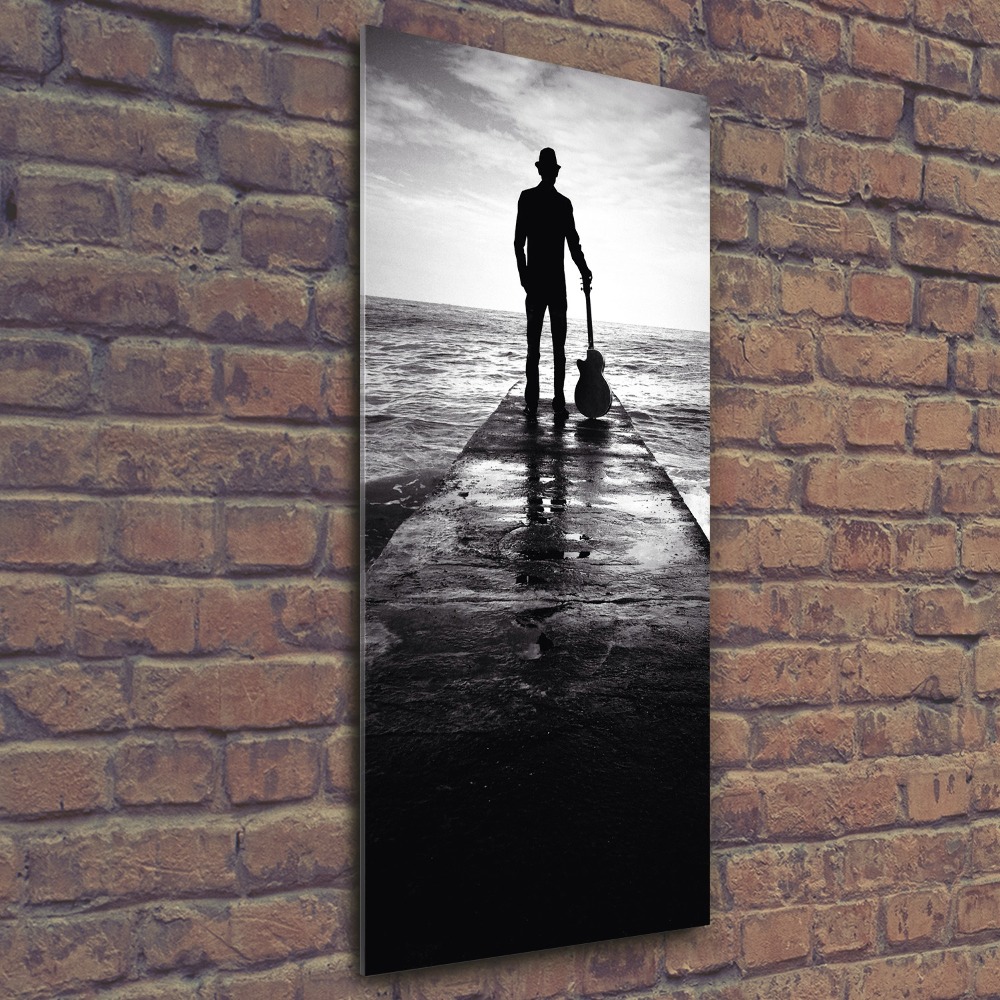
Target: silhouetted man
{"x": 545, "y": 223}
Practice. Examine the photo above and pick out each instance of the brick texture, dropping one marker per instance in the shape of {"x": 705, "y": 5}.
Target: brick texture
{"x": 179, "y": 556}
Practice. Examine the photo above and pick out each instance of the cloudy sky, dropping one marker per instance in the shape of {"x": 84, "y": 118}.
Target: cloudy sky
{"x": 451, "y": 135}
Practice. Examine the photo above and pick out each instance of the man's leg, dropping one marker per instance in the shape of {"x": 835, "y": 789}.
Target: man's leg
{"x": 535, "y": 309}
{"x": 557, "y": 319}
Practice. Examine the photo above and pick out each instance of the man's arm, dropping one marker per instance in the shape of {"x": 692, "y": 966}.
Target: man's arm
{"x": 520, "y": 236}
{"x": 575, "y": 250}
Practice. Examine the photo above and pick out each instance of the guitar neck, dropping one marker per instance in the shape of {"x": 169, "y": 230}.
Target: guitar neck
{"x": 590, "y": 323}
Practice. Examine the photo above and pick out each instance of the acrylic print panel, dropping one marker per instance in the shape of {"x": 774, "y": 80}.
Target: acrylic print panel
{"x": 535, "y": 681}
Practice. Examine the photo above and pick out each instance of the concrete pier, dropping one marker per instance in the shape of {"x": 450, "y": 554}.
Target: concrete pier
{"x": 536, "y": 699}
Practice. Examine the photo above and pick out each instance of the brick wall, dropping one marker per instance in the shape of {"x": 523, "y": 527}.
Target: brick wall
{"x": 178, "y": 494}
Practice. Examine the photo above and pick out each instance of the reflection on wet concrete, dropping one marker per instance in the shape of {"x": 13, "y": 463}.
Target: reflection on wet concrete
{"x": 536, "y": 692}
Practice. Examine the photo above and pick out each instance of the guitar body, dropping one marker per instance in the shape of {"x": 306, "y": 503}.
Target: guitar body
{"x": 593, "y": 394}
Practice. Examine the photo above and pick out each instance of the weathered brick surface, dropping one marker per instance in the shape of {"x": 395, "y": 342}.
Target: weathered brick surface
{"x": 179, "y": 231}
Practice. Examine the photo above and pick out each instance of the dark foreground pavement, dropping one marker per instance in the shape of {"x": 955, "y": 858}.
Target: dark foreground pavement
{"x": 536, "y": 701}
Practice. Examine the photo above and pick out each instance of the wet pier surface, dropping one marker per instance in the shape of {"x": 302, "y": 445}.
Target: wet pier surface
{"x": 536, "y": 701}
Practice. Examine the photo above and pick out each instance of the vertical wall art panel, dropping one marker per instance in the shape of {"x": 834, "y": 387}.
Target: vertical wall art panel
{"x": 535, "y": 689}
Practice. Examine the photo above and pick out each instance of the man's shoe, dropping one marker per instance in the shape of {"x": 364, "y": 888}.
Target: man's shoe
{"x": 560, "y": 412}
{"x": 529, "y": 412}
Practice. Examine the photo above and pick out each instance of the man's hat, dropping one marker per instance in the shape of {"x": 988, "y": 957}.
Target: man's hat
{"x": 546, "y": 158}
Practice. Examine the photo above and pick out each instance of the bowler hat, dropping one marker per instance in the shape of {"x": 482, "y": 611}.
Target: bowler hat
{"x": 546, "y": 158}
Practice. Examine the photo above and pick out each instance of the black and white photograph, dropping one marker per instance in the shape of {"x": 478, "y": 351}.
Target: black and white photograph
{"x": 535, "y": 461}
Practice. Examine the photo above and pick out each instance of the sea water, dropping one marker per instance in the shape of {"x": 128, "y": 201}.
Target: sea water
{"x": 433, "y": 373}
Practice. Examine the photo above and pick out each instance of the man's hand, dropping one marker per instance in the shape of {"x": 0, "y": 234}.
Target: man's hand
{"x": 587, "y": 277}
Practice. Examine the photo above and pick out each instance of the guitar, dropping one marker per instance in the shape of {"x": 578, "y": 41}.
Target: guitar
{"x": 593, "y": 394}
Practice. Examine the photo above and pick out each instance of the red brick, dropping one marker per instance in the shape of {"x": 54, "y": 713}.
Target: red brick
{"x": 343, "y": 540}
{"x": 224, "y": 71}
{"x": 700, "y": 949}
{"x": 802, "y": 984}
{"x": 430, "y": 20}
{"x": 962, "y": 188}
{"x": 845, "y": 928}
{"x": 802, "y": 419}
{"x": 319, "y": 19}
{"x": 735, "y": 815}
{"x": 769, "y": 88}
{"x": 875, "y": 422}
{"x": 948, "y": 66}
{"x": 943, "y": 975}
{"x": 272, "y": 770}
{"x": 116, "y": 615}
{"x": 875, "y": 864}
{"x": 97, "y": 288}
{"x": 989, "y": 73}
{"x": 948, "y": 306}
{"x": 985, "y": 846}
{"x": 961, "y": 126}
{"x": 747, "y": 153}
{"x": 880, "y": 670}
{"x": 891, "y": 174}
{"x": 763, "y": 27}
{"x": 29, "y": 38}
{"x": 337, "y": 313}
{"x": 55, "y": 204}
{"x": 341, "y": 381}
{"x": 165, "y": 859}
{"x": 887, "y": 50}
{"x": 991, "y": 309}
{"x": 753, "y": 483}
{"x": 977, "y": 369}
{"x": 285, "y": 231}
{"x": 94, "y": 130}
{"x": 34, "y": 613}
{"x": 243, "y": 932}
{"x": 730, "y": 214}
{"x": 615, "y": 965}
{"x": 949, "y": 611}
{"x": 810, "y": 803}
{"x": 770, "y": 675}
{"x": 972, "y": 20}
{"x": 896, "y": 485}
{"x": 881, "y": 298}
{"x": 917, "y": 917}
{"x": 988, "y": 667}
{"x": 884, "y": 359}
{"x": 762, "y": 351}
{"x": 104, "y": 46}
{"x": 933, "y": 795}
{"x": 671, "y": 17}
{"x": 896, "y": 10}
{"x": 164, "y": 772}
{"x": 169, "y": 378}
{"x": 342, "y": 761}
{"x": 734, "y": 550}
{"x": 68, "y": 533}
{"x": 812, "y": 289}
{"x": 49, "y": 372}
{"x": 829, "y": 167}
{"x": 776, "y": 936}
{"x": 863, "y": 547}
{"x": 296, "y": 847}
{"x": 282, "y": 983}
{"x": 846, "y": 611}
{"x": 163, "y": 534}
{"x": 909, "y": 729}
{"x": 280, "y": 384}
{"x": 980, "y": 552}
{"x": 738, "y": 415}
{"x": 803, "y": 737}
{"x": 949, "y": 245}
{"x": 979, "y": 908}
{"x": 68, "y": 697}
{"x": 249, "y": 307}
{"x": 970, "y": 487}
{"x": 730, "y": 735}
{"x": 232, "y": 695}
{"x": 989, "y": 429}
{"x": 269, "y": 536}
{"x": 985, "y": 787}
{"x": 302, "y": 158}
{"x": 51, "y": 779}
{"x": 742, "y": 613}
{"x": 926, "y": 548}
{"x": 942, "y": 425}
{"x": 822, "y": 230}
{"x": 316, "y": 86}
{"x": 789, "y": 543}
{"x": 50, "y": 955}
{"x": 770, "y": 875}
{"x": 180, "y": 218}
{"x": 986, "y": 971}
{"x": 860, "y": 107}
{"x": 743, "y": 285}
